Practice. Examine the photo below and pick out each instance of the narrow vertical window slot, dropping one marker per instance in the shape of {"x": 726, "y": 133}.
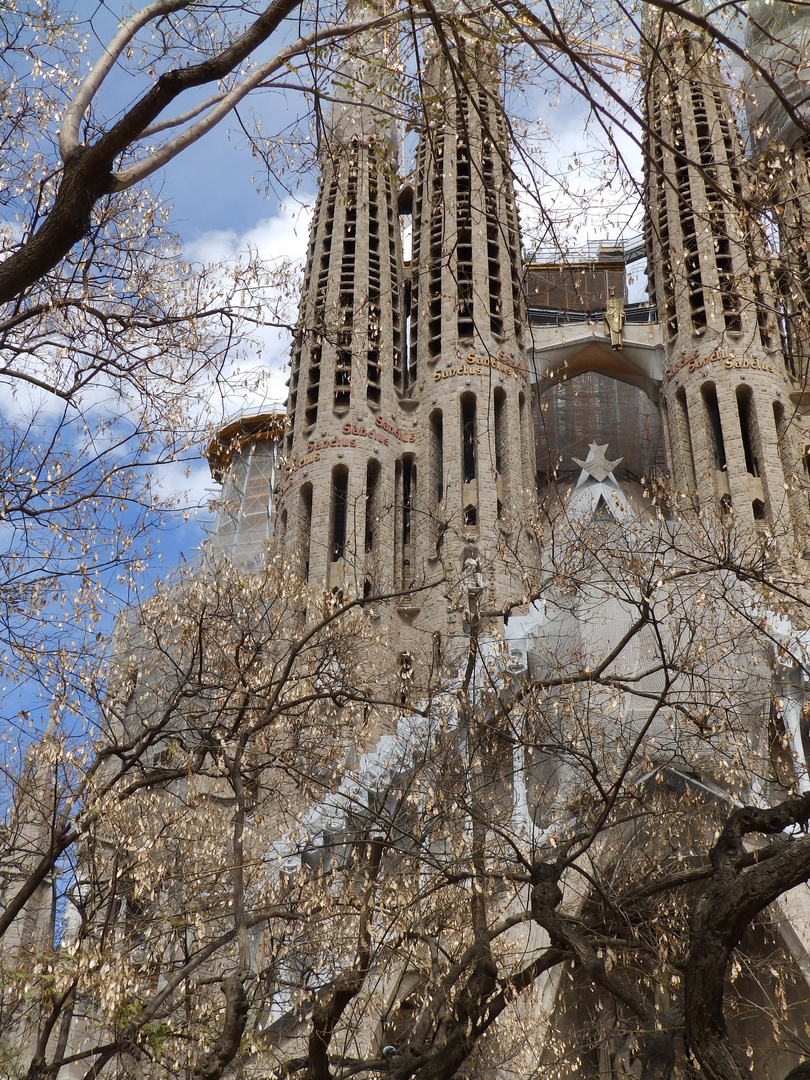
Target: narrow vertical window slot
{"x": 683, "y": 438}
{"x": 340, "y": 492}
{"x": 786, "y": 454}
{"x": 305, "y": 527}
{"x": 437, "y": 454}
{"x": 747, "y": 428}
{"x": 527, "y": 449}
{"x": 398, "y": 520}
{"x": 406, "y": 504}
{"x": 373, "y": 471}
{"x": 469, "y": 440}
{"x": 501, "y": 449}
{"x": 709, "y": 394}
{"x": 405, "y": 494}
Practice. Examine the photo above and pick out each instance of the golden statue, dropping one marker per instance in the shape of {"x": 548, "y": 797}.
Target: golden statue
{"x": 614, "y": 318}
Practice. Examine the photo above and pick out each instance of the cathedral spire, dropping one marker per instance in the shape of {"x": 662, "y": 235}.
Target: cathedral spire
{"x": 359, "y": 109}
{"x": 725, "y": 383}
{"x": 347, "y": 369}
{"x": 467, "y": 322}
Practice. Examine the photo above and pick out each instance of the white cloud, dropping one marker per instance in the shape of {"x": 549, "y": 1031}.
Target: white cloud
{"x": 283, "y": 236}
{"x": 280, "y": 241}
{"x": 188, "y": 484}
{"x": 255, "y": 382}
{"x": 587, "y": 191}
{"x": 589, "y": 194}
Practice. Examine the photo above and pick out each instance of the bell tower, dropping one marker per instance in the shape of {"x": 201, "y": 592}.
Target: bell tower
{"x": 777, "y": 35}
{"x": 725, "y": 387}
{"x": 467, "y": 323}
{"x": 344, "y": 418}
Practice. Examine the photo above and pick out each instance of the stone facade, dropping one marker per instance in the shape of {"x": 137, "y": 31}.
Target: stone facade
{"x": 348, "y": 374}
{"x": 414, "y": 389}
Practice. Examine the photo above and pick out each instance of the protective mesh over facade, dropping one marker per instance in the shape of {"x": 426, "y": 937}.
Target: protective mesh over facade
{"x": 243, "y": 458}
{"x": 595, "y": 408}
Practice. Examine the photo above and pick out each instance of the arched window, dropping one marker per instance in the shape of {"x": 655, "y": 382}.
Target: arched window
{"x": 709, "y": 394}
{"x": 469, "y": 438}
{"x": 501, "y": 439}
{"x": 747, "y": 428}
{"x": 683, "y": 435}
{"x": 339, "y": 508}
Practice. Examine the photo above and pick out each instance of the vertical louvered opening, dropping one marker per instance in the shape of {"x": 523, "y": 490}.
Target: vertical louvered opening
{"x": 669, "y": 312}
{"x": 464, "y": 257}
{"x": 373, "y": 369}
{"x": 339, "y": 511}
{"x": 313, "y": 385}
{"x": 708, "y": 393}
{"x": 348, "y": 269}
{"x": 436, "y": 240}
{"x": 469, "y": 438}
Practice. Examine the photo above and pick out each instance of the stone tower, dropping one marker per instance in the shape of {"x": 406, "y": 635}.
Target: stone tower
{"x": 348, "y": 409}
{"x": 778, "y": 37}
{"x": 27, "y": 841}
{"x": 405, "y": 468}
{"x": 467, "y": 326}
{"x": 409, "y": 442}
{"x": 242, "y": 457}
{"x": 725, "y": 386}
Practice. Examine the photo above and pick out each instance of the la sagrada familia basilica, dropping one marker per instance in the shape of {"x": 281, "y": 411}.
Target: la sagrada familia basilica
{"x": 438, "y": 403}
{"x": 569, "y": 520}
{"x": 485, "y": 437}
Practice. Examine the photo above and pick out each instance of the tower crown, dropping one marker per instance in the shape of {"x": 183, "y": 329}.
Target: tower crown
{"x": 360, "y": 111}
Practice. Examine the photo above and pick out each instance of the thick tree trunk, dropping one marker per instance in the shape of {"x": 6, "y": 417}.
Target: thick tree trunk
{"x": 659, "y": 1055}
{"x": 737, "y": 893}
{"x": 85, "y": 180}
{"x": 213, "y": 1064}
